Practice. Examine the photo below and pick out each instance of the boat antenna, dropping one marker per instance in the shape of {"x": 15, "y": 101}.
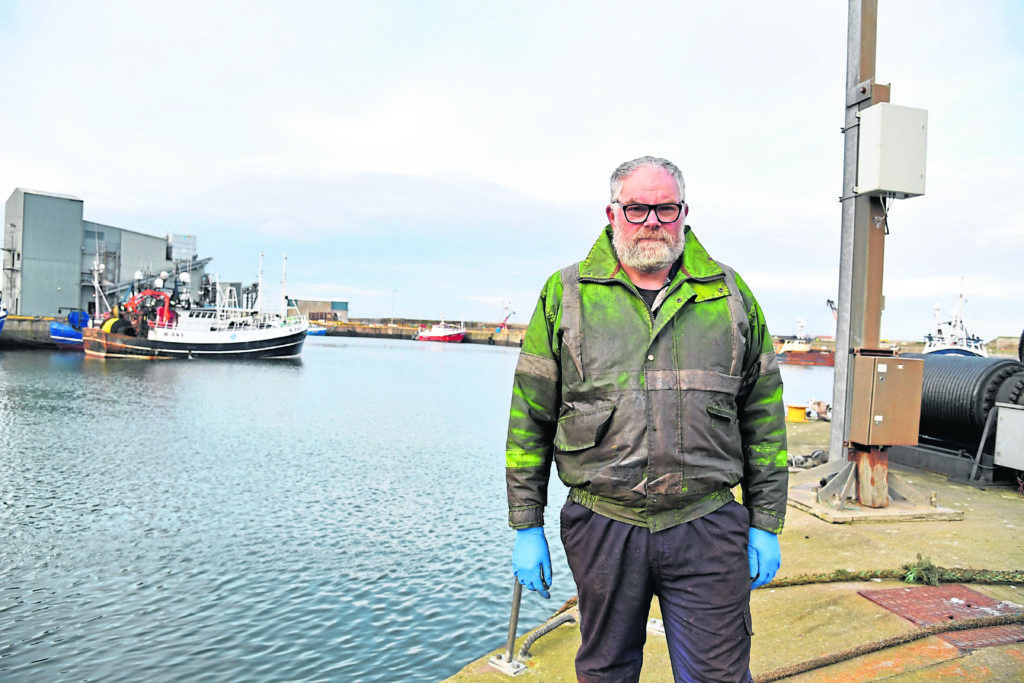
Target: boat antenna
{"x": 284, "y": 286}
{"x": 258, "y": 304}
{"x": 96, "y": 284}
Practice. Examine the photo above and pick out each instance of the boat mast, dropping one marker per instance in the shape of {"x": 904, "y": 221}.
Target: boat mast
{"x": 97, "y": 268}
{"x": 258, "y": 304}
{"x": 96, "y": 286}
{"x": 284, "y": 287}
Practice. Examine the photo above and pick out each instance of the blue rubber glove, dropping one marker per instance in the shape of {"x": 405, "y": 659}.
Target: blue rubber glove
{"x": 764, "y": 555}
{"x": 531, "y": 560}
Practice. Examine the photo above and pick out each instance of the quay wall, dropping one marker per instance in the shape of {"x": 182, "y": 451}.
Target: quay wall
{"x": 24, "y": 331}
{"x": 480, "y": 335}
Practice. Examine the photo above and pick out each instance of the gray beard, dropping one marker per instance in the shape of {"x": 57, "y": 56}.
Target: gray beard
{"x": 646, "y": 258}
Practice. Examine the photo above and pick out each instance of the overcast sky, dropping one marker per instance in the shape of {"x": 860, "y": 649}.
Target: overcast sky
{"x": 442, "y": 158}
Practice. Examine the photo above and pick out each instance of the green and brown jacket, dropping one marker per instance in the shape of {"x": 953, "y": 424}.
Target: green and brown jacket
{"x": 651, "y": 417}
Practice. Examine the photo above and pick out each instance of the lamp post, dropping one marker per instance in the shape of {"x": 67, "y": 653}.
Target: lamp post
{"x": 393, "y": 293}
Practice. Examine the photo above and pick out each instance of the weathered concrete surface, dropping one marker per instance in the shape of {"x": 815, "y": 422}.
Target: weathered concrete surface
{"x": 798, "y": 623}
{"x": 480, "y": 335}
{"x": 22, "y": 331}
{"x": 551, "y": 658}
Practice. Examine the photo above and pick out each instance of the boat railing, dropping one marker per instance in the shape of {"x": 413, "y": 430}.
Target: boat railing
{"x": 240, "y": 318}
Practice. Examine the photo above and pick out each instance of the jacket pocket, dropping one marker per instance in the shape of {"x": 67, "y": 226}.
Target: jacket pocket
{"x": 578, "y": 431}
{"x": 721, "y": 417}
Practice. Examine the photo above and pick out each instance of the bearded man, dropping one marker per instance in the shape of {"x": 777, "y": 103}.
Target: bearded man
{"x": 647, "y": 375}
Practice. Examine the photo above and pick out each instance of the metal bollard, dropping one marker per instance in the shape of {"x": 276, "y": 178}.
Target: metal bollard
{"x": 507, "y": 663}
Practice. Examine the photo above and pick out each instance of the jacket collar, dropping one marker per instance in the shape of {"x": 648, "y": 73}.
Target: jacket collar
{"x": 601, "y": 263}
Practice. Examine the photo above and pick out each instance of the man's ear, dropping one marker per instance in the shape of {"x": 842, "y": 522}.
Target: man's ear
{"x": 686, "y": 210}
{"x": 609, "y": 211}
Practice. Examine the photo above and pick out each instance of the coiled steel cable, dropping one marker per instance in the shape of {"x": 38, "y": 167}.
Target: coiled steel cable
{"x": 958, "y": 392}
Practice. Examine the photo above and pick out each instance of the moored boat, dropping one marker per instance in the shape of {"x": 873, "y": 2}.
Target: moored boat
{"x": 67, "y": 333}
{"x": 800, "y": 352}
{"x": 441, "y": 332}
{"x": 316, "y": 330}
{"x": 153, "y": 328}
{"x": 951, "y": 338}
{"x": 155, "y": 324}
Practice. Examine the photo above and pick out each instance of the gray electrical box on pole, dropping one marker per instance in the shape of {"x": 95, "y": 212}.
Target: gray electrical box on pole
{"x": 891, "y": 151}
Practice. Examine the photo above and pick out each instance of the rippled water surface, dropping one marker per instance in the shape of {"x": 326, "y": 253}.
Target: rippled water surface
{"x": 339, "y": 518}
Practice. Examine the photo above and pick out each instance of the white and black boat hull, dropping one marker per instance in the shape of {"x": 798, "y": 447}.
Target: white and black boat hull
{"x": 286, "y": 343}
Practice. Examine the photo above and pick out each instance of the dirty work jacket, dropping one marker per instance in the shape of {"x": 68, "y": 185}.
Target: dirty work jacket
{"x": 651, "y": 417}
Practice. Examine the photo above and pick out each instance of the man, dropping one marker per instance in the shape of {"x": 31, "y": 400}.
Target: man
{"x": 648, "y": 375}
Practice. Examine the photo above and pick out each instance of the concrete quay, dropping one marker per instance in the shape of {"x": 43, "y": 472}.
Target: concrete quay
{"x": 797, "y": 623}
{"x": 22, "y": 331}
{"x": 479, "y": 333}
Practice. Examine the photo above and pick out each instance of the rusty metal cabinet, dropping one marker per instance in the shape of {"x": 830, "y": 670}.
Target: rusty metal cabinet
{"x": 886, "y": 405}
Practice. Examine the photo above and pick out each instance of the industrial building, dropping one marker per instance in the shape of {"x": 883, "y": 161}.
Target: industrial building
{"x": 50, "y": 255}
{"x": 323, "y": 311}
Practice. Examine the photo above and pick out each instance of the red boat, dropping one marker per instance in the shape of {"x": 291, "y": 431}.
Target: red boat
{"x": 441, "y": 332}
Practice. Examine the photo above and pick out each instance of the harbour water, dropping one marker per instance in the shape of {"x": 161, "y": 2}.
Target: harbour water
{"x": 338, "y": 518}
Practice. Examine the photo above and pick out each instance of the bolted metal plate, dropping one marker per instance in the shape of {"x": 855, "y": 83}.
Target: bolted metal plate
{"x": 506, "y": 665}
{"x": 930, "y": 605}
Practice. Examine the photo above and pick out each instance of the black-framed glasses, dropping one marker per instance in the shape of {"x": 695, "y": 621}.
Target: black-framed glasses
{"x": 638, "y": 213}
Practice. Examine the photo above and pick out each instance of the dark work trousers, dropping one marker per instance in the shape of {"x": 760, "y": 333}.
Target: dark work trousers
{"x": 700, "y": 573}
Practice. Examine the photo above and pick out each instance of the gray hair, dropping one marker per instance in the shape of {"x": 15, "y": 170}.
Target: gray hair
{"x": 627, "y": 168}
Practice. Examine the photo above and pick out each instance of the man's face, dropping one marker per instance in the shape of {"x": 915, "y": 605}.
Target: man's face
{"x": 652, "y": 245}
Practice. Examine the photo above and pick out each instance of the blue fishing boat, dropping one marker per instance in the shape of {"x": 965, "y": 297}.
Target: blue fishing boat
{"x": 316, "y": 330}
{"x": 67, "y": 333}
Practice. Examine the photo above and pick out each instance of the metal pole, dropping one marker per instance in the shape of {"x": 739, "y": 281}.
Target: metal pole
{"x": 858, "y": 311}
{"x": 507, "y": 663}
{"x": 513, "y": 622}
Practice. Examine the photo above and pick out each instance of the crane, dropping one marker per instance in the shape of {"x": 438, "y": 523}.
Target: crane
{"x": 503, "y": 325}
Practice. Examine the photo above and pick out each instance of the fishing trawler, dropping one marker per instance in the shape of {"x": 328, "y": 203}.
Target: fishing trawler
{"x": 441, "y": 332}
{"x": 799, "y": 350}
{"x": 155, "y": 324}
{"x": 951, "y": 338}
